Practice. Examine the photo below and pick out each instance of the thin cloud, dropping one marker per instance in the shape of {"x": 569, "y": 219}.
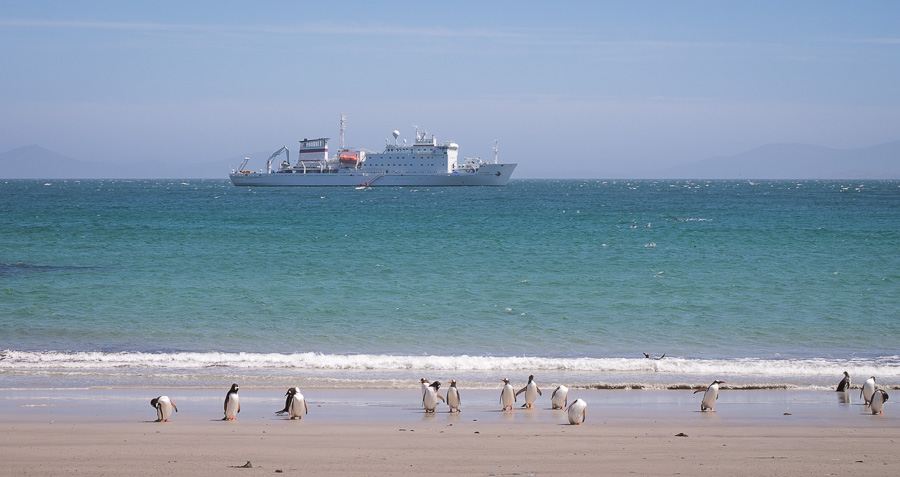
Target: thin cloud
{"x": 341, "y": 30}
{"x": 880, "y": 41}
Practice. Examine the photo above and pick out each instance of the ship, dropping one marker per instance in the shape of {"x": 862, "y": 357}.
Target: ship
{"x": 424, "y": 163}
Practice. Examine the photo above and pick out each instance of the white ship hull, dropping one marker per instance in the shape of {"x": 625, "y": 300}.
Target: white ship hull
{"x": 486, "y": 175}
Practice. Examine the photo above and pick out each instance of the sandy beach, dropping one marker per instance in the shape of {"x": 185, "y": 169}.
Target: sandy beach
{"x": 383, "y": 432}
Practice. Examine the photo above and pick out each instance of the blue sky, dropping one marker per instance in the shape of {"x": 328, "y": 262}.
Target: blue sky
{"x": 570, "y": 89}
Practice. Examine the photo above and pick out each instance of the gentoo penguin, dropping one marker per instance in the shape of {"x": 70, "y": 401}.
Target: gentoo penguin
{"x": 532, "y": 391}
{"x": 710, "y": 395}
{"x": 844, "y": 385}
{"x": 879, "y": 397}
{"x": 163, "y": 406}
{"x": 430, "y": 399}
{"x": 453, "y": 397}
{"x": 867, "y": 390}
{"x": 295, "y": 404}
{"x": 560, "y": 397}
{"x": 507, "y": 395}
{"x": 232, "y": 404}
{"x": 576, "y": 412}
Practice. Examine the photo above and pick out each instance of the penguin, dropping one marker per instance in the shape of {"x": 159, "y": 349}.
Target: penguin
{"x": 576, "y": 412}
{"x": 710, "y": 395}
{"x": 844, "y": 385}
{"x": 507, "y": 395}
{"x": 430, "y": 399}
{"x": 232, "y": 404}
{"x": 453, "y": 397}
{"x": 879, "y": 397}
{"x": 163, "y": 406}
{"x": 560, "y": 397}
{"x": 867, "y": 390}
{"x": 532, "y": 391}
{"x": 294, "y": 405}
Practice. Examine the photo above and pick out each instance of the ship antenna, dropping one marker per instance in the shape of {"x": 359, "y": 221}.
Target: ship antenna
{"x": 417, "y": 131}
{"x": 343, "y": 128}
{"x": 495, "y": 151}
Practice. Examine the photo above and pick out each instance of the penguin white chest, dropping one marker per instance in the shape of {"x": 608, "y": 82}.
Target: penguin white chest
{"x": 507, "y": 395}
{"x": 531, "y": 393}
{"x": 430, "y": 400}
{"x": 298, "y": 406}
{"x": 453, "y": 398}
{"x": 232, "y": 406}
{"x": 559, "y": 398}
{"x": 576, "y": 411}
{"x": 709, "y": 398}
{"x": 164, "y": 408}
{"x": 868, "y": 390}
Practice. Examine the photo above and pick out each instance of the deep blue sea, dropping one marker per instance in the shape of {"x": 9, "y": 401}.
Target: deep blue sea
{"x": 197, "y": 282}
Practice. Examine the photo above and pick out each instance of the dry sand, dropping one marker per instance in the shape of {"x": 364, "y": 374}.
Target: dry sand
{"x": 108, "y": 432}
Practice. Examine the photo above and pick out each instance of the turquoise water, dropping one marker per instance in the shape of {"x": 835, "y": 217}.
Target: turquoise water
{"x": 774, "y": 283}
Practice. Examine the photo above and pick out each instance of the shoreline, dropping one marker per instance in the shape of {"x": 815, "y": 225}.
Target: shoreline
{"x": 385, "y": 432}
{"x": 115, "y": 405}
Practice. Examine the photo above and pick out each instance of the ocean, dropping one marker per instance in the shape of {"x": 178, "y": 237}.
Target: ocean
{"x": 197, "y": 283}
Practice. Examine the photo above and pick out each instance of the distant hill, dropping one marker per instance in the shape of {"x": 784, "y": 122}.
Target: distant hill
{"x": 797, "y": 161}
{"x": 36, "y": 162}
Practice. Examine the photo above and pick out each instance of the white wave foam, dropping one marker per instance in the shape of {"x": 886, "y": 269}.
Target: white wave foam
{"x": 883, "y": 367}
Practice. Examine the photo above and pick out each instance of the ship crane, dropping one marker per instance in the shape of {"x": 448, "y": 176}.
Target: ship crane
{"x": 276, "y": 154}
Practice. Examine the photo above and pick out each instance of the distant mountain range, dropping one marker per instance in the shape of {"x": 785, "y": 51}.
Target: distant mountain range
{"x": 796, "y": 161}
{"x": 773, "y": 161}
{"x": 36, "y": 162}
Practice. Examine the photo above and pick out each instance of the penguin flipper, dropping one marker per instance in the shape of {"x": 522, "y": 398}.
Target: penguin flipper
{"x": 173, "y": 406}
{"x": 701, "y": 389}
{"x": 521, "y": 391}
{"x": 539, "y": 391}
{"x": 441, "y": 397}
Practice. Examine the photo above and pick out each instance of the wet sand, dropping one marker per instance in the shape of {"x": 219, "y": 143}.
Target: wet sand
{"x": 385, "y": 432}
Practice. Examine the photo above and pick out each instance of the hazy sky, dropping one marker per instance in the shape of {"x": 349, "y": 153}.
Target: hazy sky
{"x": 570, "y": 89}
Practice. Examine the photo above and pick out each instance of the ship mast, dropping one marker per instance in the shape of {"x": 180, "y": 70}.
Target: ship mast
{"x": 495, "y": 151}
{"x": 343, "y": 128}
